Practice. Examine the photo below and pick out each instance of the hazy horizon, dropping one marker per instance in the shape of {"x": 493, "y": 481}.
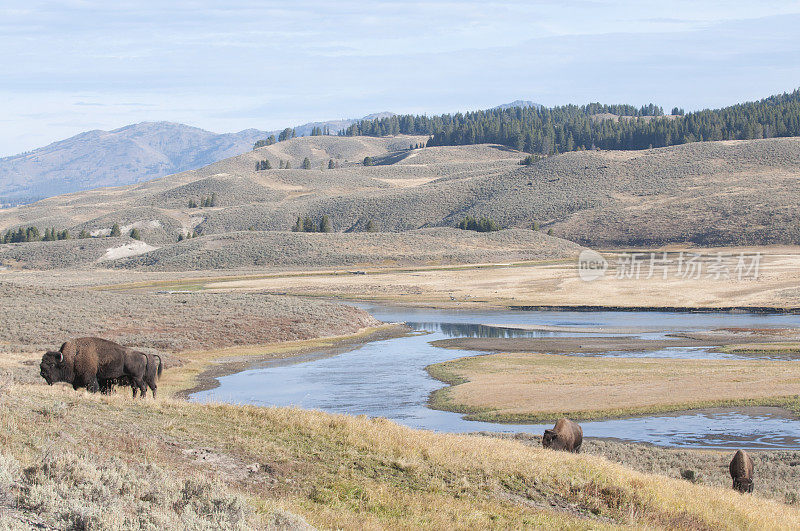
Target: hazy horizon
{"x": 78, "y": 65}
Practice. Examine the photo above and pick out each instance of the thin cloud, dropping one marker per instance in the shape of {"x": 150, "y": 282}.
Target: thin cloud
{"x": 246, "y": 64}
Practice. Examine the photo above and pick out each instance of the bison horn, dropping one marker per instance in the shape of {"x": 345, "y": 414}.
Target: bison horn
{"x": 60, "y": 357}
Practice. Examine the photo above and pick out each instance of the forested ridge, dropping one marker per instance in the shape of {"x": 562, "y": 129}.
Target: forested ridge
{"x": 572, "y": 127}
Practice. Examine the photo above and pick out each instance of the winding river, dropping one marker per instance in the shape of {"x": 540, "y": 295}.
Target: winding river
{"x": 387, "y": 378}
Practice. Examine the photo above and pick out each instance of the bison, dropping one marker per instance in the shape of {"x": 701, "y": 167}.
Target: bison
{"x": 85, "y": 361}
{"x": 741, "y": 469}
{"x": 151, "y": 376}
{"x": 565, "y": 435}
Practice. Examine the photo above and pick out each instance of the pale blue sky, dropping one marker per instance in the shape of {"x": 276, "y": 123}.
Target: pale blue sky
{"x": 70, "y": 66}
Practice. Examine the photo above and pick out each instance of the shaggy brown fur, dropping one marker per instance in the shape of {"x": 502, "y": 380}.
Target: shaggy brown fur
{"x": 86, "y": 360}
{"x": 565, "y": 435}
{"x": 741, "y": 469}
{"x": 151, "y": 376}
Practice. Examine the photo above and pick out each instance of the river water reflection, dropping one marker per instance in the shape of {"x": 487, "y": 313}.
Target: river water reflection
{"x": 388, "y": 378}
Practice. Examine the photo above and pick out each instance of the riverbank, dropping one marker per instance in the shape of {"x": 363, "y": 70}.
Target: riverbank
{"x": 519, "y": 388}
{"x": 553, "y": 284}
{"x": 185, "y": 464}
{"x": 219, "y": 465}
{"x": 203, "y": 369}
{"x": 743, "y": 343}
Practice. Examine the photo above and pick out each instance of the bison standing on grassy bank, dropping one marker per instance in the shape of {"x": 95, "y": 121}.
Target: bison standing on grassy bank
{"x": 86, "y": 360}
{"x": 565, "y": 435}
{"x": 741, "y": 469}
{"x": 151, "y": 376}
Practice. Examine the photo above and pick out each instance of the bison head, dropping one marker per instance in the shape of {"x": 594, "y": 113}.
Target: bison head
{"x": 743, "y": 484}
{"x": 53, "y": 368}
{"x": 551, "y": 440}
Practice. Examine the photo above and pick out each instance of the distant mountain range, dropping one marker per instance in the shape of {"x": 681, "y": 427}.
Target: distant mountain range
{"x": 130, "y": 154}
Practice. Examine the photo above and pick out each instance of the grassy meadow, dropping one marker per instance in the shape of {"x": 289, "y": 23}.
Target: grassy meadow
{"x": 74, "y": 460}
{"x": 528, "y": 387}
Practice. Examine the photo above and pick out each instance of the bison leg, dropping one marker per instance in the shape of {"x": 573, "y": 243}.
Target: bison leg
{"x": 138, "y": 385}
{"x": 106, "y": 386}
{"x": 93, "y": 386}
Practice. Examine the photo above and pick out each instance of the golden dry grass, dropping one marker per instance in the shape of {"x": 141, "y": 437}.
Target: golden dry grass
{"x": 333, "y": 471}
{"x": 519, "y": 387}
{"x": 477, "y": 285}
{"x": 354, "y": 472}
{"x": 537, "y": 283}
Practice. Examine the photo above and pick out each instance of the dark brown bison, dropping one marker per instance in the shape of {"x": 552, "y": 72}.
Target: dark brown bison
{"x": 741, "y": 469}
{"x": 86, "y": 360}
{"x": 151, "y": 376}
{"x": 565, "y": 435}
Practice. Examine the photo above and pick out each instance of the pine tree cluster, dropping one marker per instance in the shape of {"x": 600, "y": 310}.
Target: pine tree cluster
{"x": 568, "y": 128}
{"x": 306, "y": 224}
{"x": 319, "y": 131}
{"x": 478, "y": 225}
{"x": 210, "y": 201}
{"x": 32, "y": 234}
{"x": 188, "y": 235}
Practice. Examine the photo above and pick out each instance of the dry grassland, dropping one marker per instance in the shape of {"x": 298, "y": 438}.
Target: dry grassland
{"x": 544, "y": 283}
{"x": 39, "y": 318}
{"x": 74, "y": 460}
{"x": 708, "y": 193}
{"x": 519, "y": 387}
{"x": 775, "y": 470}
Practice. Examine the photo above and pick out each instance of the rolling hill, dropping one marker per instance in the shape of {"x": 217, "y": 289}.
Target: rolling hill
{"x": 131, "y": 154}
{"x": 711, "y": 193}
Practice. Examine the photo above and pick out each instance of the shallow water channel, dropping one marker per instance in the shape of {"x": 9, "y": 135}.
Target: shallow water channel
{"x": 387, "y": 378}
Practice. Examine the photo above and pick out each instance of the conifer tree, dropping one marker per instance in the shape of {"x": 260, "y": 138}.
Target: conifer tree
{"x": 325, "y": 224}
{"x": 548, "y": 131}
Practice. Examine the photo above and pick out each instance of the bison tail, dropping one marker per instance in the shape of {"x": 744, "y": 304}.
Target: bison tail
{"x": 160, "y": 365}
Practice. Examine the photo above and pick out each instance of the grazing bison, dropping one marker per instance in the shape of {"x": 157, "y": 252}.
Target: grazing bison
{"x": 565, "y": 435}
{"x": 742, "y": 471}
{"x": 151, "y": 376}
{"x": 85, "y": 361}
